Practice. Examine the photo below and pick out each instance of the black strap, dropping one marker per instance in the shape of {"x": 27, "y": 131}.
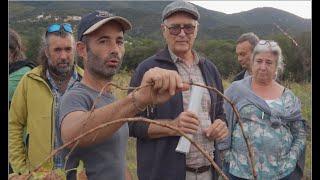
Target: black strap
{"x": 17, "y": 65}
{"x": 284, "y": 90}
{"x": 198, "y": 170}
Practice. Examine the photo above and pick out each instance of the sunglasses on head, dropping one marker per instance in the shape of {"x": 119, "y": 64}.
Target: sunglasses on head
{"x": 57, "y": 27}
{"x": 270, "y": 42}
{"x": 176, "y": 29}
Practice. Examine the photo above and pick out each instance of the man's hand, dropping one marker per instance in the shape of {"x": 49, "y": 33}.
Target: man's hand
{"x": 217, "y": 131}
{"x": 188, "y": 122}
{"x": 164, "y": 84}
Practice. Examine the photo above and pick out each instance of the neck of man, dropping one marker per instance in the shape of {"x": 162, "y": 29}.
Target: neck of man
{"x": 187, "y": 57}
{"x": 61, "y": 81}
{"x": 96, "y": 83}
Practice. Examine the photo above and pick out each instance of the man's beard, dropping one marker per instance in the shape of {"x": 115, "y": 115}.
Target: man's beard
{"x": 60, "y": 71}
{"x": 96, "y": 65}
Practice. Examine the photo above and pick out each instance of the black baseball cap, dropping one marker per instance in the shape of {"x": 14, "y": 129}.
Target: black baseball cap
{"x": 93, "y": 21}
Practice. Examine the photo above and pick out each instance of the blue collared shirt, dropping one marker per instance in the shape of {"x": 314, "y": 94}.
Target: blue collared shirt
{"x": 58, "y": 160}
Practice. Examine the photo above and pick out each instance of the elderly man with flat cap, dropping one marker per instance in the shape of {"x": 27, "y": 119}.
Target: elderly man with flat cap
{"x": 101, "y": 45}
{"x": 157, "y": 157}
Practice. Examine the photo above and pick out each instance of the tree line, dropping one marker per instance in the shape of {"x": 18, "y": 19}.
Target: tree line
{"x": 221, "y": 52}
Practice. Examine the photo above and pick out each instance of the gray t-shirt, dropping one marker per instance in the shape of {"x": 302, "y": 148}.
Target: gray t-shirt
{"x": 106, "y": 160}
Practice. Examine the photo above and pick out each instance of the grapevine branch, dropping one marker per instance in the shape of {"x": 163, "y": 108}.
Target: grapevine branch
{"x": 77, "y": 139}
{"x": 305, "y": 60}
{"x": 295, "y": 43}
{"x": 123, "y": 120}
{"x": 235, "y": 110}
{"x": 92, "y": 110}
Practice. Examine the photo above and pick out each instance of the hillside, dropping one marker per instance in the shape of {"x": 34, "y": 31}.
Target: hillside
{"x": 146, "y": 17}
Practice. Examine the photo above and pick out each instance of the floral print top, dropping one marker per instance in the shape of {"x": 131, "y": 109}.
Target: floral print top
{"x": 275, "y": 150}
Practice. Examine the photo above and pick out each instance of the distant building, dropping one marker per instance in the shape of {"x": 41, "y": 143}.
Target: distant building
{"x": 39, "y": 17}
{"x": 76, "y": 18}
{"x": 47, "y": 17}
{"x": 69, "y": 18}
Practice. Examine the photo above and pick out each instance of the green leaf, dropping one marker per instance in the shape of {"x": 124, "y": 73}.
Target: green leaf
{"x": 39, "y": 175}
{"x": 43, "y": 171}
{"x": 80, "y": 167}
{"x": 81, "y": 172}
{"x": 61, "y": 173}
{"x": 48, "y": 165}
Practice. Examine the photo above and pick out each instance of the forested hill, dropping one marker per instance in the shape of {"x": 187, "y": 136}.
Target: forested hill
{"x": 216, "y": 39}
{"x": 146, "y": 17}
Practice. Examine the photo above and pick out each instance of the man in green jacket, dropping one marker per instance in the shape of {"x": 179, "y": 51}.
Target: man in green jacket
{"x": 35, "y": 102}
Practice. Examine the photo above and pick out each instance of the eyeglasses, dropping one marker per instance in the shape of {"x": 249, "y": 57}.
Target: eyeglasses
{"x": 57, "y": 27}
{"x": 271, "y": 43}
{"x": 176, "y": 29}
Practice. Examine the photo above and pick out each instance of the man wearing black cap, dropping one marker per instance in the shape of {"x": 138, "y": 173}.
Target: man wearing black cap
{"x": 101, "y": 45}
{"x": 156, "y": 146}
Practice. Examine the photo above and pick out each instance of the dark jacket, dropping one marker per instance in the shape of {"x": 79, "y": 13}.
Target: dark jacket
{"x": 20, "y": 64}
{"x": 157, "y": 158}
{"x": 239, "y": 76}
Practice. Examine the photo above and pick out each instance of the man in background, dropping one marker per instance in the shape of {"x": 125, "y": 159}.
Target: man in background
{"x": 34, "y": 105}
{"x": 244, "y": 48}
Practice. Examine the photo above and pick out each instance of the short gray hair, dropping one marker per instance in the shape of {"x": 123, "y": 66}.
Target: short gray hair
{"x": 270, "y": 46}
{"x": 250, "y": 37}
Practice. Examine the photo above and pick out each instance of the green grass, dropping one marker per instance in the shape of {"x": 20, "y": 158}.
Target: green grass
{"x": 131, "y": 157}
{"x": 122, "y": 79}
{"x": 301, "y": 90}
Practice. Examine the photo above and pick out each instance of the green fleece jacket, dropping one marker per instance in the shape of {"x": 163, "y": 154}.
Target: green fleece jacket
{"x": 32, "y": 107}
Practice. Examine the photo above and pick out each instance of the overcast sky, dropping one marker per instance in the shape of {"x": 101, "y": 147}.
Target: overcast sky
{"x": 299, "y": 8}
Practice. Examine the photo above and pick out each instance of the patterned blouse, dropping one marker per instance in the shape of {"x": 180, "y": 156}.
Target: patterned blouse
{"x": 275, "y": 150}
